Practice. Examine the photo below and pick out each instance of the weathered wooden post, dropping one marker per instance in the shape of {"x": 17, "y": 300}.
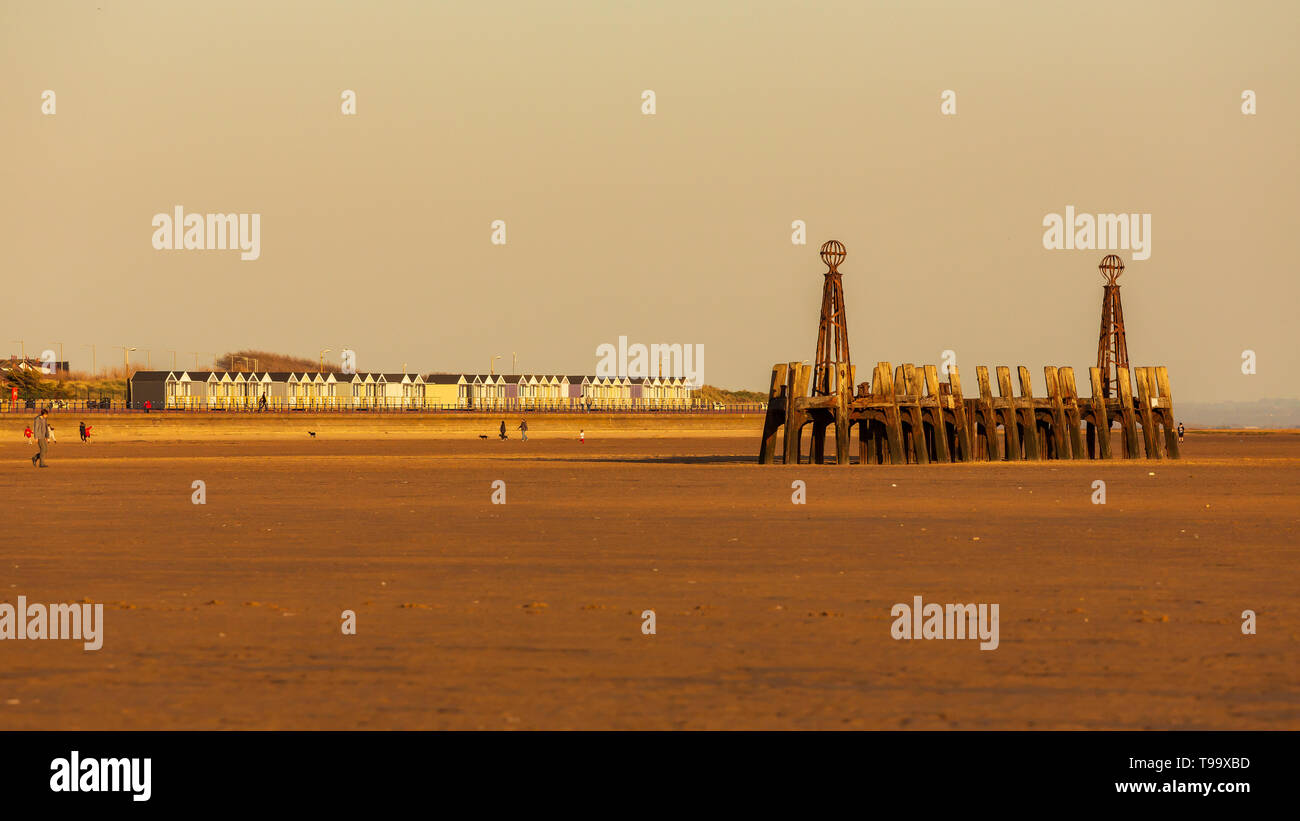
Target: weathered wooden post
{"x": 1010, "y": 415}
{"x": 1154, "y": 446}
{"x": 893, "y": 416}
{"x": 843, "y": 397}
{"x": 1100, "y": 427}
{"x": 939, "y": 430}
{"x": 1127, "y": 420}
{"x": 1167, "y": 412}
{"x": 959, "y": 416}
{"x": 988, "y": 417}
{"x": 864, "y": 429}
{"x": 1029, "y": 435}
{"x": 1073, "y": 420}
{"x": 1060, "y": 437}
{"x": 911, "y": 394}
{"x": 776, "y": 413}
{"x": 795, "y": 416}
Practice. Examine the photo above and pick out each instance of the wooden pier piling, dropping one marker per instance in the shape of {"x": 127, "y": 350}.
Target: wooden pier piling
{"x": 908, "y": 415}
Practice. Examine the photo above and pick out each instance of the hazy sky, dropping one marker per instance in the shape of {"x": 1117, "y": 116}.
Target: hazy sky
{"x": 675, "y": 227}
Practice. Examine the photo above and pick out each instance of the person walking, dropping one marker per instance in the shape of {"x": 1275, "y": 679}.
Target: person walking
{"x": 523, "y": 429}
{"x": 83, "y": 431}
{"x": 41, "y": 431}
{"x": 503, "y": 430}
{"x": 1180, "y": 433}
{"x": 582, "y": 436}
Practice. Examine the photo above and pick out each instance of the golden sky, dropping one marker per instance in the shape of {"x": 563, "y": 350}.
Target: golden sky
{"x": 674, "y": 227}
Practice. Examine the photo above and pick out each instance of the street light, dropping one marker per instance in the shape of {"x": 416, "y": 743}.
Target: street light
{"x": 126, "y": 361}
{"x": 320, "y": 366}
{"x": 93, "y": 366}
{"x": 126, "y": 367}
{"x": 492, "y": 365}
{"x": 22, "y": 345}
{"x": 173, "y": 353}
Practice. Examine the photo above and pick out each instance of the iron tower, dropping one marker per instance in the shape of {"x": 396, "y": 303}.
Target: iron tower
{"x": 1112, "y": 348}
{"x": 833, "y": 332}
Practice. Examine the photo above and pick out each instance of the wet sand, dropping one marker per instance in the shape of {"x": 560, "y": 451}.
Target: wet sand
{"x": 527, "y": 614}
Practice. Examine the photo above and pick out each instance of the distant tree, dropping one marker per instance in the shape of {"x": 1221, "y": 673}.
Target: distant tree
{"x": 30, "y": 385}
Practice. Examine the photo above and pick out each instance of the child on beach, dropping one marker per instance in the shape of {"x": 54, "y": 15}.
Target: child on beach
{"x": 582, "y": 436}
{"x": 27, "y": 434}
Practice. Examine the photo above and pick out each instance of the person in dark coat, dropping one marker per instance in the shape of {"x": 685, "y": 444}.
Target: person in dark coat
{"x": 503, "y": 429}
{"x": 41, "y": 432}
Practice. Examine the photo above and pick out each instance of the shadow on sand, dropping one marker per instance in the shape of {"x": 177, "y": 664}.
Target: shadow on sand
{"x": 719, "y": 459}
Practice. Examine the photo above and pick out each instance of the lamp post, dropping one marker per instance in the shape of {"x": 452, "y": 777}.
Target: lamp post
{"x": 126, "y": 371}
{"x": 126, "y": 360}
{"x": 491, "y": 389}
{"x": 56, "y": 367}
{"x": 22, "y": 345}
{"x": 320, "y": 367}
{"x": 514, "y": 362}
{"x": 93, "y": 365}
{"x": 173, "y": 353}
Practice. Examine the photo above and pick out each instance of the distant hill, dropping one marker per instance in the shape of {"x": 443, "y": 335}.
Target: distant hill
{"x": 709, "y": 393}
{"x": 268, "y": 361}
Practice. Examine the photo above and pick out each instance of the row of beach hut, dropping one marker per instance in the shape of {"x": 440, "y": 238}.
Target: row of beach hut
{"x": 296, "y": 390}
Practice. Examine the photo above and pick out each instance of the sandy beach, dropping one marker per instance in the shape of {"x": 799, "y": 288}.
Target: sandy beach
{"x": 528, "y": 614}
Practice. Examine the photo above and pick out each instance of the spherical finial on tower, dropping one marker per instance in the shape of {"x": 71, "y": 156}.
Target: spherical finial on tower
{"x": 1111, "y": 267}
{"x": 833, "y": 254}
